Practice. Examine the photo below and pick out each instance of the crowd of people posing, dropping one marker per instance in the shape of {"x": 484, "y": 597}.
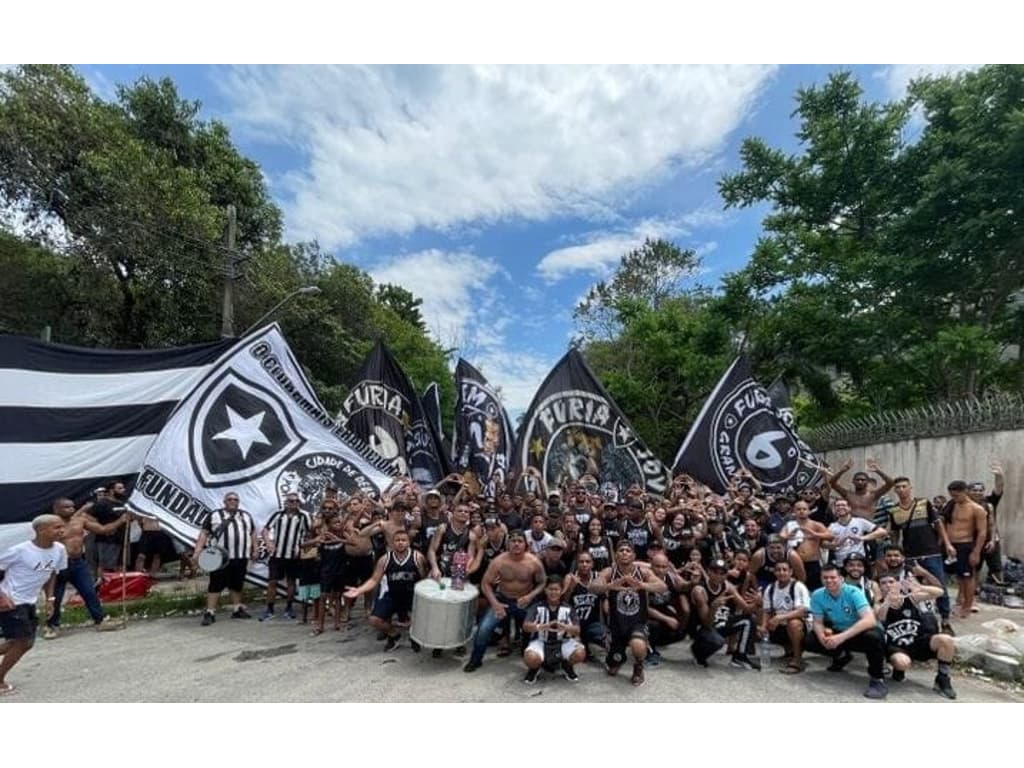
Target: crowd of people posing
{"x": 588, "y": 573}
{"x": 580, "y": 574}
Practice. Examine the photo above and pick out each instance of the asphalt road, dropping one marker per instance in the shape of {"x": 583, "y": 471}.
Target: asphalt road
{"x": 176, "y": 660}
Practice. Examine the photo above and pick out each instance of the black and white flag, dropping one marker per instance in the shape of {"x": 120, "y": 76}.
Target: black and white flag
{"x": 73, "y": 418}
{"x": 431, "y": 402}
{"x": 778, "y": 391}
{"x": 252, "y": 425}
{"x": 484, "y": 438}
{"x": 739, "y": 427}
{"x": 573, "y": 428}
{"x": 384, "y": 411}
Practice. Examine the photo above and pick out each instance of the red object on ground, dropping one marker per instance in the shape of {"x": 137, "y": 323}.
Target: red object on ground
{"x": 136, "y": 584}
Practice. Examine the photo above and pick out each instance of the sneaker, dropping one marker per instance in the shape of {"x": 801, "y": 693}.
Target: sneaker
{"x": 109, "y": 624}
{"x": 391, "y": 642}
{"x": 531, "y": 676}
{"x": 459, "y": 652}
{"x": 612, "y": 669}
{"x": 742, "y": 661}
{"x": 267, "y": 616}
{"x": 877, "y": 689}
{"x": 944, "y": 686}
{"x": 569, "y": 673}
{"x": 208, "y": 618}
{"x": 638, "y": 675}
{"x": 241, "y": 613}
{"x": 653, "y": 659}
{"x": 898, "y": 675}
{"x": 839, "y": 662}
{"x": 471, "y": 666}
{"x": 51, "y": 633}
{"x": 436, "y": 653}
{"x": 947, "y": 628}
{"x": 288, "y": 615}
{"x": 416, "y": 647}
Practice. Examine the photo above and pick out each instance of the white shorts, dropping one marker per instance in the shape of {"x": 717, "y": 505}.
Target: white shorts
{"x": 569, "y": 647}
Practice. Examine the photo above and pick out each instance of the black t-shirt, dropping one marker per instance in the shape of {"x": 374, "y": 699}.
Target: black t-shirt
{"x": 103, "y": 511}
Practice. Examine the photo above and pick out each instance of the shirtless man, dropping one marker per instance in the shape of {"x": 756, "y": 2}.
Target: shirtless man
{"x": 966, "y": 522}
{"x": 761, "y": 571}
{"x": 513, "y": 580}
{"x": 400, "y": 518}
{"x": 862, "y": 498}
{"x": 358, "y": 551}
{"x": 808, "y": 536}
{"x": 77, "y": 525}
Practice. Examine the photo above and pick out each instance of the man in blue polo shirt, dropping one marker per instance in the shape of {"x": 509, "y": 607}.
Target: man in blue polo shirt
{"x": 844, "y": 623}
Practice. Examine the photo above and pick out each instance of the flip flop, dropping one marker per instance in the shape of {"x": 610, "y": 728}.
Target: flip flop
{"x": 503, "y": 652}
{"x": 8, "y": 690}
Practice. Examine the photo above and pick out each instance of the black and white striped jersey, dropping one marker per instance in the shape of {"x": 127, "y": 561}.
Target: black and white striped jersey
{"x": 287, "y": 530}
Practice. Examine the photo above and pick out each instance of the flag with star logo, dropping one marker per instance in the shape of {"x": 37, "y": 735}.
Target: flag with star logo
{"x": 74, "y": 418}
{"x": 573, "y": 428}
{"x": 483, "y": 434}
{"x": 252, "y": 425}
{"x": 384, "y": 411}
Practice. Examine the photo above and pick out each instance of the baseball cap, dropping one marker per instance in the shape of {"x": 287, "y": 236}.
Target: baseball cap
{"x": 554, "y": 495}
{"x": 718, "y": 565}
{"x": 433, "y": 492}
{"x": 855, "y": 556}
{"x": 490, "y": 522}
{"x": 555, "y": 543}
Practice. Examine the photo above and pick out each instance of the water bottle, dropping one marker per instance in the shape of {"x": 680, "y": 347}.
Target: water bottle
{"x": 764, "y": 654}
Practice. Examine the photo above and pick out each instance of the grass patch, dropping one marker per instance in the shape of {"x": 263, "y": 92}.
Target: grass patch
{"x": 156, "y": 605}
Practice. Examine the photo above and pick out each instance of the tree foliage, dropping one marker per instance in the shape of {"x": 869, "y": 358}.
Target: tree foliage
{"x": 115, "y": 235}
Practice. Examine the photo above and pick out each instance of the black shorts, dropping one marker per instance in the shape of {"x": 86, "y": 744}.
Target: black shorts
{"x": 617, "y": 646}
{"x": 309, "y": 571}
{"x": 780, "y": 636}
{"x": 231, "y": 577}
{"x": 19, "y": 623}
{"x": 284, "y": 568}
{"x": 813, "y": 571}
{"x": 358, "y": 569}
{"x": 964, "y": 569}
{"x": 385, "y": 606}
{"x": 921, "y": 650}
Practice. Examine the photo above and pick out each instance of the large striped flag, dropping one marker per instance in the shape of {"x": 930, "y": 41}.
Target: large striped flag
{"x": 73, "y": 418}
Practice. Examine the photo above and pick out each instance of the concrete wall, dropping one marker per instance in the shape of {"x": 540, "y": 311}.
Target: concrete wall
{"x": 931, "y": 463}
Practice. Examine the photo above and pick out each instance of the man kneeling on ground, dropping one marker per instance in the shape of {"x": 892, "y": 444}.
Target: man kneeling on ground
{"x": 913, "y": 634}
{"x": 843, "y": 623}
{"x": 554, "y": 629}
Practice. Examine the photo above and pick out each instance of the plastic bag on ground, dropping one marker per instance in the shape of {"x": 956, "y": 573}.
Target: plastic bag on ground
{"x": 970, "y": 646}
{"x": 1002, "y": 626}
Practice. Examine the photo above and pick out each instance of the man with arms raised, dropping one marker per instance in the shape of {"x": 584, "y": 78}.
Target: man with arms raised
{"x": 628, "y": 585}
{"x": 77, "y": 525}
{"x": 512, "y": 581}
{"x": 844, "y": 623}
{"x": 28, "y": 567}
{"x": 966, "y": 523}
{"x": 862, "y": 498}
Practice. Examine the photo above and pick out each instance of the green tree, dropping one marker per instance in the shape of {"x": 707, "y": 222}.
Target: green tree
{"x": 403, "y": 303}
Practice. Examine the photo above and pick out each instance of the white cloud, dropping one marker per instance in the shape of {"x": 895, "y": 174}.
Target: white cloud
{"x": 601, "y": 251}
{"x": 462, "y": 307}
{"x": 898, "y": 76}
{"x": 454, "y": 287}
{"x": 391, "y": 149}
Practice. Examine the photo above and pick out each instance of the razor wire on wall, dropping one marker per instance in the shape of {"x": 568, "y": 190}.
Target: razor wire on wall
{"x": 995, "y": 412}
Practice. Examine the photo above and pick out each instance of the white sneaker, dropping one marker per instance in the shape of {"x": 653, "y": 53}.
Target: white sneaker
{"x": 51, "y": 633}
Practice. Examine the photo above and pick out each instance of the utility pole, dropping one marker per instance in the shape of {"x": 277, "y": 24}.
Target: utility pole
{"x": 227, "y": 323}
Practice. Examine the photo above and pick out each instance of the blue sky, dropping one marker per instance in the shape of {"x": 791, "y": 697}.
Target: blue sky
{"x": 499, "y": 195}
